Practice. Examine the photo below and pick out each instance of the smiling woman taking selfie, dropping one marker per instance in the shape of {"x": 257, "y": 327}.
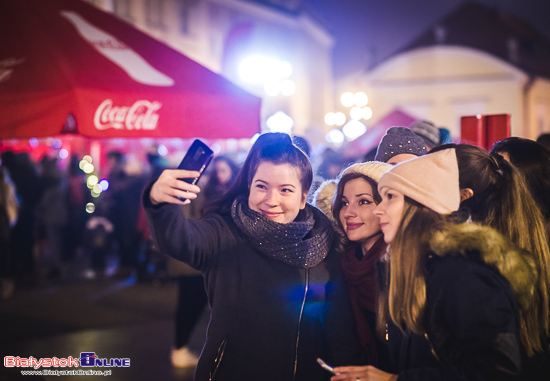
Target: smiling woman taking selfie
{"x": 271, "y": 268}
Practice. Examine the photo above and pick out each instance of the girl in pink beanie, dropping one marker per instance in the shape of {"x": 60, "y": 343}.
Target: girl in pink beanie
{"x": 451, "y": 296}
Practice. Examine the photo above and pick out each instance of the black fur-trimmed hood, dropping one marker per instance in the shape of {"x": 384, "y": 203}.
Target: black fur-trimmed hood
{"x": 485, "y": 243}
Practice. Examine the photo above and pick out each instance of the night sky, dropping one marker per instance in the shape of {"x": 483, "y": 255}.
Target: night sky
{"x": 368, "y": 31}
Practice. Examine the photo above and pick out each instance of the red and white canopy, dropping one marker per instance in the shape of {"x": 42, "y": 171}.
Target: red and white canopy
{"x": 68, "y": 67}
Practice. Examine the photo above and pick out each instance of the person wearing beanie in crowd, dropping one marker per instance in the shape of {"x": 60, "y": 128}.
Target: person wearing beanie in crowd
{"x": 451, "y": 296}
{"x": 399, "y": 144}
{"x": 428, "y": 132}
{"x": 350, "y": 201}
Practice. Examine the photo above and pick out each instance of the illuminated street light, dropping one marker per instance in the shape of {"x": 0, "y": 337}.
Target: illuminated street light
{"x": 335, "y": 136}
{"x": 280, "y": 122}
{"x": 360, "y": 99}
{"x": 340, "y": 118}
{"x": 353, "y": 129}
{"x": 367, "y": 113}
{"x": 356, "y": 113}
{"x": 347, "y": 99}
{"x": 330, "y": 119}
{"x": 258, "y": 69}
{"x": 288, "y": 87}
{"x": 272, "y": 88}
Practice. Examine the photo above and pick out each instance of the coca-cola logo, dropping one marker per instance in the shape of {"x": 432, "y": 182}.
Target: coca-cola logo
{"x": 142, "y": 115}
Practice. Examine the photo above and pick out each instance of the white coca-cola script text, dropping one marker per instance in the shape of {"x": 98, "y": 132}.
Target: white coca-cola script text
{"x": 142, "y": 115}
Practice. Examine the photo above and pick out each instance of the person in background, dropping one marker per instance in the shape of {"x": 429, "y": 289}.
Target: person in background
{"x": 494, "y": 193}
{"x": 78, "y": 196}
{"x": 399, "y": 144}
{"x": 303, "y": 144}
{"x": 444, "y": 136}
{"x": 192, "y": 299}
{"x": 98, "y": 240}
{"x": 454, "y": 291}
{"x": 24, "y": 175}
{"x": 428, "y": 132}
{"x": 53, "y": 213}
{"x": 270, "y": 264}
{"x": 9, "y": 210}
{"x": 532, "y": 159}
{"x": 330, "y": 166}
{"x": 125, "y": 187}
{"x": 350, "y": 201}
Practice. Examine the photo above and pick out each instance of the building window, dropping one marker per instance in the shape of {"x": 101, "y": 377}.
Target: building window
{"x": 123, "y": 8}
{"x": 154, "y": 13}
{"x": 184, "y": 17}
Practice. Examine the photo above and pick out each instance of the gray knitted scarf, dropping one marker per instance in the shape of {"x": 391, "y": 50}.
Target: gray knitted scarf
{"x": 285, "y": 242}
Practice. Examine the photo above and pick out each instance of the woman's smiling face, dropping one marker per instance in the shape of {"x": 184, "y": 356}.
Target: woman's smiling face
{"x": 357, "y": 213}
{"x": 276, "y": 192}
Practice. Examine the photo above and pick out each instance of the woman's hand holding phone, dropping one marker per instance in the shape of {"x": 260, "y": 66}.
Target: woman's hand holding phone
{"x": 170, "y": 187}
{"x": 177, "y": 186}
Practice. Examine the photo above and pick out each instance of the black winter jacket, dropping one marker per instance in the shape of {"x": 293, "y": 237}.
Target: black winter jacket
{"x": 475, "y": 280}
{"x": 269, "y": 321}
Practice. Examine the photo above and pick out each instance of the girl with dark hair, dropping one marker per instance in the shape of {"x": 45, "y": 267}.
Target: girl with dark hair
{"x": 494, "y": 193}
{"x": 350, "y": 200}
{"x": 532, "y": 159}
{"x": 224, "y": 173}
{"x": 453, "y": 291}
{"x": 270, "y": 264}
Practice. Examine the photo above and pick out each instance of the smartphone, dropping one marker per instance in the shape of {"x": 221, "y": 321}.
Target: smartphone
{"x": 324, "y": 365}
{"x": 197, "y": 158}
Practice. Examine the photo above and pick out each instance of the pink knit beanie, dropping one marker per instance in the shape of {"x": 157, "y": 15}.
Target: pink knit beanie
{"x": 431, "y": 180}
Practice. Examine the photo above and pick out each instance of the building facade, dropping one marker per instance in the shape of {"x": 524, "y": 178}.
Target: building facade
{"x": 475, "y": 61}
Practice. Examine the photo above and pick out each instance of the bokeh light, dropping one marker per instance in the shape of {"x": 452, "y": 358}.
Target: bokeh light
{"x": 330, "y": 119}
{"x": 88, "y": 168}
{"x": 360, "y": 99}
{"x": 90, "y": 207}
{"x": 347, "y": 99}
{"x": 335, "y": 136}
{"x": 356, "y": 113}
{"x": 353, "y": 129}
{"x": 104, "y": 184}
{"x": 91, "y": 181}
{"x": 340, "y": 118}
{"x": 367, "y": 113}
{"x": 288, "y": 87}
{"x": 280, "y": 122}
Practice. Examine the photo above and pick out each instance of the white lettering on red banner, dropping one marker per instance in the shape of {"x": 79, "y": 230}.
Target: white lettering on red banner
{"x": 142, "y": 115}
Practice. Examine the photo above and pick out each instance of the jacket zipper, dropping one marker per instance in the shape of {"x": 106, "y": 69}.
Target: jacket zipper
{"x": 218, "y": 359}
{"x": 299, "y": 325}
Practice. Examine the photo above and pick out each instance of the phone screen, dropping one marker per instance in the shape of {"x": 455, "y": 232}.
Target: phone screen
{"x": 324, "y": 365}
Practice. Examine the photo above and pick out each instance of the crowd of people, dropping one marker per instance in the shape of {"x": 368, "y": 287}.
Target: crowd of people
{"x": 430, "y": 262}
{"x": 428, "y": 259}
{"x": 46, "y": 225}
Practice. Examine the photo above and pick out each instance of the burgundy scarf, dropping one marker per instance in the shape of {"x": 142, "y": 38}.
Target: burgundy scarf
{"x": 360, "y": 275}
